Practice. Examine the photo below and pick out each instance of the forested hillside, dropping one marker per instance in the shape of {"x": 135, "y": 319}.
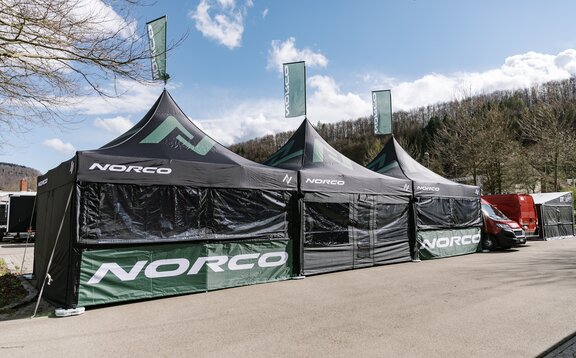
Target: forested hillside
{"x": 11, "y": 174}
{"x": 508, "y": 139}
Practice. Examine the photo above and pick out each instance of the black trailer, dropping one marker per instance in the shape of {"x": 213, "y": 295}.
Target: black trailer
{"x": 17, "y": 217}
{"x": 21, "y": 216}
{"x": 3, "y": 217}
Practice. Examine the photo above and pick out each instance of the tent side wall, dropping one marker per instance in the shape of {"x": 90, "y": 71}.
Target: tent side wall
{"x": 131, "y": 272}
{"x": 152, "y": 241}
{"x": 447, "y": 226}
{"x": 347, "y": 231}
{"x": 556, "y": 217}
{"x": 52, "y": 213}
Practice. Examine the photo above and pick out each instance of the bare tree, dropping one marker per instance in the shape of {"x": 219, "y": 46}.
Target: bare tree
{"x": 551, "y": 127}
{"x": 458, "y": 143}
{"x": 52, "y": 50}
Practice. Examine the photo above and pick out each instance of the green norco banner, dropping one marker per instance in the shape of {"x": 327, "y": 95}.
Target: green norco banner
{"x": 294, "y": 89}
{"x": 434, "y": 244}
{"x": 157, "y": 41}
{"x": 382, "y": 111}
{"x": 115, "y": 275}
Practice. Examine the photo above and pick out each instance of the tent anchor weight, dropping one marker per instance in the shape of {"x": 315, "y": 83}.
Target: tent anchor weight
{"x": 63, "y": 312}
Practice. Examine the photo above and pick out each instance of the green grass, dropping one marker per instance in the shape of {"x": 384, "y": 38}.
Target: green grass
{"x": 3, "y": 267}
{"x": 11, "y": 290}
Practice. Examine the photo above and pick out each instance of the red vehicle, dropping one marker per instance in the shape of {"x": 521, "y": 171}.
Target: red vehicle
{"x": 518, "y": 207}
{"x": 498, "y": 230}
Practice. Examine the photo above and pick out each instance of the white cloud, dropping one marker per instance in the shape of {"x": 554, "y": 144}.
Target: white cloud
{"x": 258, "y": 118}
{"x": 118, "y": 124}
{"x": 328, "y": 103}
{"x": 58, "y": 145}
{"x": 518, "y": 71}
{"x": 101, "y": 17}
{"x": 250, "y": 119}
{"x": 226, "y": 26}
{"x": 284, "y": 52}
{"x": 134, "y": 97}
{"x": 265, "y": 13}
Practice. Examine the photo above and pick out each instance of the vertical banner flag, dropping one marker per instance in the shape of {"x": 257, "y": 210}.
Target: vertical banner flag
{"x": 294, "y": 89}
{"x": 157, "y": 41}
{"x": 382, "y": 111}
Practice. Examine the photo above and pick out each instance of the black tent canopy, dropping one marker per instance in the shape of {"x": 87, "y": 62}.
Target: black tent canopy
{"x": 351, "y": 216}
{"x": 163, "y": 209}
{"x": 447, "y": 213}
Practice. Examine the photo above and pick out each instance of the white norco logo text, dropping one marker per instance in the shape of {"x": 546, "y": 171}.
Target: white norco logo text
{"x": 287, "y": 91}
{"x": 443, "y": 242}
{"x": 428, "y": 188}
{"x": 176, "y": 267}
{"x": 324, "y": 181}
{"x": 130, "y": 168}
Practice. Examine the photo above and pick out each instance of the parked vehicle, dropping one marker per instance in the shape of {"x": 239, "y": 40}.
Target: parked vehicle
{"x": 498, "y": 230}
{"x": 17, "y": 219}
{"x": 3, "y": 218}
{"x": 517, "y": 207}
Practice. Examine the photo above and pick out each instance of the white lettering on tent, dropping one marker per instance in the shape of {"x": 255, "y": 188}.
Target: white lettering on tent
{"x": 271, "y": 259}
{"x": 324, "y": 181}
{"x": 163, "y": 171}
{"x": 428, "y": 188}
{"x": 443, "y": 242}
{"x": 152, "y": 269}
{"x": 375, "y": 114}
{"x": 118, "y": 271}
{"x": 234, "y": 265}
{"x": 130, "y": 169}
{"x": 287, "y": 179}
{"x": 155, "y": 67}
{"x": 99, "y": 166}
{"x": 133, "y": 168}
{"x": 263, "y": 261}
{"x": 215, "y": 266}
{"x": 286, "y": 90}
{"x": 117, "y": 168}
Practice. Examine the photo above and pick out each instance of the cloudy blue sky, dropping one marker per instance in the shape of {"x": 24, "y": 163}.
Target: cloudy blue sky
{"x": 226, "y": 76}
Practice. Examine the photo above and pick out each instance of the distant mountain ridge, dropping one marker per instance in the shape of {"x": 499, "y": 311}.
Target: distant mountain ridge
{"x": 11, "y": 175}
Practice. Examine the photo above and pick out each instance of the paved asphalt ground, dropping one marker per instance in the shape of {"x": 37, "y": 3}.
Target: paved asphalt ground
{"x": 515, "y": 303}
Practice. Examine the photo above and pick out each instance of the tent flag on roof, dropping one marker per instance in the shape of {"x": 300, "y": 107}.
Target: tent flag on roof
{"x": 294, "y": 89}
{"x": 351, "y": 217}
{"x": 156, "y": 30}
{"x": 382, "y": 111}
{"x": 448, "y": 214}
{"x": 162, "y": 210}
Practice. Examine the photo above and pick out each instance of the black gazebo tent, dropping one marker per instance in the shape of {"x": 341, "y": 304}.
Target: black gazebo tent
{"x": 555, "y": 214}
{"x": 351, "y": 216}
{"x": 447, "y": 214}
{"x": 161, "y": 210}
